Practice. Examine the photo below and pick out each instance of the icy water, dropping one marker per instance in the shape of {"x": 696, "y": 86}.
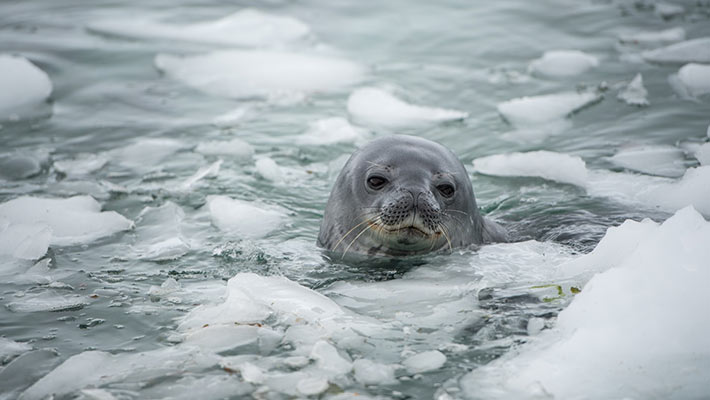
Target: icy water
{"x": 216, "y": 132}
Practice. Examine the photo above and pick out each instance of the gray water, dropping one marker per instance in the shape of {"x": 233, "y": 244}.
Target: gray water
{"x": 454, "y": 54}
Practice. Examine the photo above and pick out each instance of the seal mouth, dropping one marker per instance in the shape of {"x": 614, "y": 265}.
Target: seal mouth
{"x": 412, "y": 231}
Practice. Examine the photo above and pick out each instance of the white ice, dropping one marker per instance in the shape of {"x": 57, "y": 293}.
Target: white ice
{"x": 544, "y": 109}
{"x": 145, "y": 152}
{"x": 208, "y": 171}
{"x": 634, "y": 94}
{"x": 269, "y": 170}
{"x": 544, "y": 164}
{"x": 670, "y": 35}
{"x": 702, "y": 154}
{"x": 159, "y": 235}
{"x": 75, "y": 220}
{"x": 23, "y": 86}
{"x": 247, "y": 27}
{"x": 563, "y": 63}
{"x": 693, "y": 80}
{"x": 424, "y": 362}
{"x": 243, "y": 219}
{"x": 235, "y": 149}
{"x": 638, "y": 329}
{"x": 10, "y": 349}
{"x": 81, "y": 165}
{"x": 378, "y": 107}
{"x": 695, "y": 50}
{"x": 24, "y": 241}
{"x": 45, "y": 301}
{"x": 693, "y": 188}
{"x": 272, "y": 75}
{"x": 661, "y": 160}
{"x": 330, "y": 131}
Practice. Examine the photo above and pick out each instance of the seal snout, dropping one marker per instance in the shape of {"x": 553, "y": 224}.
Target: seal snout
{"x": 411, "y": 213}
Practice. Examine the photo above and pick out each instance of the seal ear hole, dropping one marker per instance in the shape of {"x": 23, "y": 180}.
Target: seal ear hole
{"x": 376, "y": 182}
{"x": 446, "y": 190}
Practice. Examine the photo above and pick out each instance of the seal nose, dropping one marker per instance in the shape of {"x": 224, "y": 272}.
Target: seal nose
{"x": 399, "y": 208}
{"x": 428, "y": 209}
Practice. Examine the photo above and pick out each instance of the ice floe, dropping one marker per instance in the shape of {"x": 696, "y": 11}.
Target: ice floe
{"x": 244, "y": 219}
{"x": 74, "y": 220}
{"x": 695, "y": 50}
{"x": 81, "y": 165}
{"x": 248, "y": 27}
{"x": 52, "y": 301}
{"x": 424, "y": 362}
{"x": 702, "y": 154}
{"x": 272, "y": 75}
{"x": 653, "y": 160}
{"x": 208, "y": 171}
{"x": 10, "y": 349}
{"x": 693, "y": 188}
{"x": 330, "y": 131}
{"x": 24, "y": 241}
{"x": 637, "y": 329}
{"x": 145, "y": 152}
{"x": 269, "y": 170}
{"x": 236, "y": 149}
{"x": 23, "y": 87}
{"x": 545, "y": 108}
{"x": 634, "y": 94}
{"x": 670, "y": 35}
{"x": 159, "y": 234}
{"x": 567, "y": 168}
{"x": 562, "y": 63}
{"x": 374, "y": 106}
{"x": 692, "y": 80}
{"x": 22, "y": 164}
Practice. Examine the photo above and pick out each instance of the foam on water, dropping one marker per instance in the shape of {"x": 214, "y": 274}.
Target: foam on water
{"x": 248, "y": 27}
{"x": 544, "y": 109}
{"x": 75, "y": 220}
{"x": 23, "y": 87}
{"x": 243, "y": 219}
{"x": 694, "y": 50}
{"x": 608, "y": 343}
{"x": 265, "y": 74}
{"x": 378, "y": 107}
{"x": 562, "y": 63}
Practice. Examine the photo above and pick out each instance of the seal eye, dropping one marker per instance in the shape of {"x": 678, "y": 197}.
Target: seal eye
{"x": 446, "y": 190}
{"x": 376, "y": 182}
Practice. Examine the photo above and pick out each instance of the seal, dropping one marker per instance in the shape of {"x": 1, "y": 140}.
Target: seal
{"x": 403, "y": 195}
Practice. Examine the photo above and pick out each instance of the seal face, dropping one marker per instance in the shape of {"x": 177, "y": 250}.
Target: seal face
{"x": 403, "y": 195}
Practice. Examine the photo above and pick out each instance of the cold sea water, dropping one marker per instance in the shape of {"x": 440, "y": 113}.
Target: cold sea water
{"x": 164, "y": 167}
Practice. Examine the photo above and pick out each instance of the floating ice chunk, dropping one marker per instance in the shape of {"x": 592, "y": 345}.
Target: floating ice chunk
{"x": 545, "y": 164}
{"x": 369, "y": 372}
{"x": 265, "y": 74}
{"x": 634, "y": 93}
{"x": 268, "y": 169}
{"x": 694, "y": 79}
{"x": 84, "y": 164}
{"x": 223, "y": 338}
{"x": 563, "y": 63}
{"x": 695, "y": 50}
{"x": 232, "y": 118}
{"x": 703, "y": 154}
{"x": 236, "y": 149}
{"x": 146, "y": 152}
{"x": 665, "y": 36}
{"x": 312, "y": 386}
{"x": 23, "y": 86}
{"x": 653, "y": 160}
{"x": 244, "y": 219}
{"x": 602, "y": 345}
{"x": 692, "y": 189}
{"x": 22, "y": 165}
{"x": 10, "y": 349}
{"x": 47, "y": 301}
{"x": 248, "y": 27}
{"x": 159, "y": 233}
{"x": 423, "y": 362}
{"x": 209, "y": 171}
{"x": 378, "y": 107}
{"x": 545, "y": 108}
{"x": 74, "y": 220}
{"x": 328, "y": 359}
{"x": 330, "y": 131}
{"x": 668, "y": 10}
{"x": 24, "y": 241}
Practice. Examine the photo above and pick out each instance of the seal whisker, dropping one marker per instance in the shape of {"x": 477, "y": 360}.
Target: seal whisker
{"x": 348, "y": 232}
{"x": 356, "y": 237}
{"x": 443, "y": 230}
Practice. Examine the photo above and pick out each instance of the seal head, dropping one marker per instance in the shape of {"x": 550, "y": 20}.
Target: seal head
{"x": 403, "y": 195}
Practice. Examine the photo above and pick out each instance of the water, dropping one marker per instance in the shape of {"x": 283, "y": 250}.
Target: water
{"x": 471, "y": 306}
